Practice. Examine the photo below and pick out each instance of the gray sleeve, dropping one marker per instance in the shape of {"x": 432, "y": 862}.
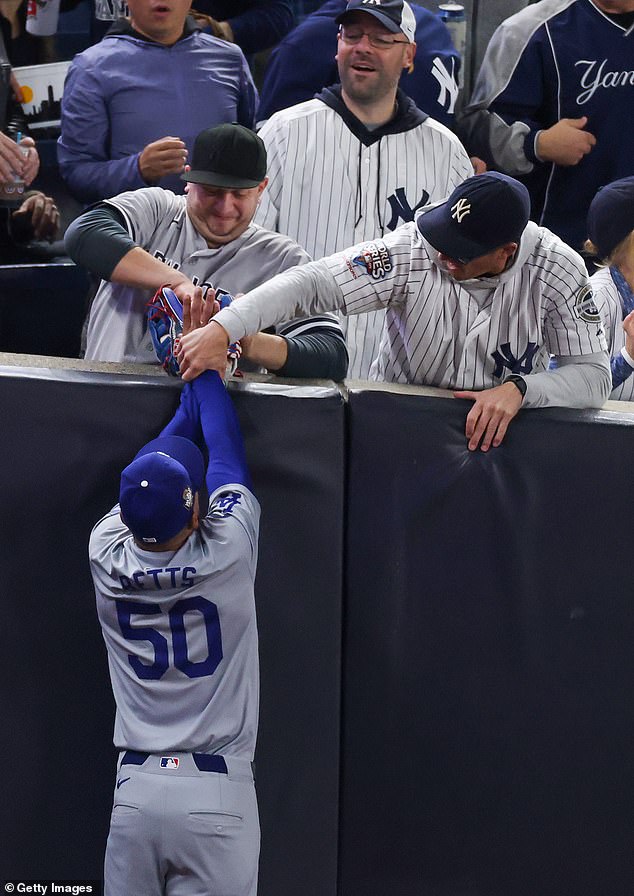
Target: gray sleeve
{"x": 98, "y": 240}
{"x": 504, "y": 115}
{"x": 299, "y": 292}
{"x": 580, "y": 381}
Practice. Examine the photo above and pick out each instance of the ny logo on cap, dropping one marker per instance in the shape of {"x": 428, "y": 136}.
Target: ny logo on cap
{"x": 461, "y": 209}
{"x": 371, "y": 2}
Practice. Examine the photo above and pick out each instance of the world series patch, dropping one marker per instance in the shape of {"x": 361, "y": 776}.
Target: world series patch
{"x": 585, "y": 307}
{"x": 375, "y": 258}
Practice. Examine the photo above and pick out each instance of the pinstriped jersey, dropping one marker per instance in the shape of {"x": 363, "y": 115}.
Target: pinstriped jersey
{"x": 611, "y": 310}
{"x": 180, "y": 630}
{"x": 333, "y": 184}
{"x": 469, "y": 335}
{"x": 157, "y": 220}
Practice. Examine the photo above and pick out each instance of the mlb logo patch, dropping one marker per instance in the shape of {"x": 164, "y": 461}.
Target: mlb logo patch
{"x": 170, "y": 762}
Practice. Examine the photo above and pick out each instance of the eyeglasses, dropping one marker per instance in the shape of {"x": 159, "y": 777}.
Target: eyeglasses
{"x": 378, "y": 41}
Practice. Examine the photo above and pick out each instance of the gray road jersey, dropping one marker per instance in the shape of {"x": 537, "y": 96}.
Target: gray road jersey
{"x": 157, "y": 221}
{"x": 180, "y": 630}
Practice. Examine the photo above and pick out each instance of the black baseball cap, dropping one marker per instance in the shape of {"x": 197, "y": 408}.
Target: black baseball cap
{"x": 228, "y": 155}
{"x": 396, "y": 15}
{"x": 611, "y": 215}
{"x": 484, "y": 212}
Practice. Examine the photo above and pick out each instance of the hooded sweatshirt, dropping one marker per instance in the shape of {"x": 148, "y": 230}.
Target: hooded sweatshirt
{"x": 128, "y": 91}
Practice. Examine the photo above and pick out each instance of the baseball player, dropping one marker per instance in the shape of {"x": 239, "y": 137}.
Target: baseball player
{"x": 477, "y": 297}
{"x": 611, "y": 232}
{"x": 359, "y": 159}
{"x": 142, "y": 240}
{"x": 174, "y": 590}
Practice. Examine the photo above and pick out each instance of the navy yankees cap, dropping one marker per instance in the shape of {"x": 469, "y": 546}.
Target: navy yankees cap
{"x": 157, "y": 490}
{"x": 228, "y": 156}
{"x": 396, "y": 15}
{"x": 484, "y": 212}
{"x": 611, "y": 215}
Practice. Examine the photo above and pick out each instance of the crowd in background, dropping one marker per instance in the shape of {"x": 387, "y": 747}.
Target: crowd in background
{"x": 547, "y": 107}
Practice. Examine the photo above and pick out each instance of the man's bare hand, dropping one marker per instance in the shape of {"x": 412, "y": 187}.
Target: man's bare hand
{"x": 43, "y": 215}
{"x": 198, "y": 310}
{"x": 492, "y": 411}
{"x": 201, "y": 349}
{"x": 31, "y": 160}
{"x": 566, "y": 142}
{"x": 165, "y": 156}
{"x": 12, "y": 161}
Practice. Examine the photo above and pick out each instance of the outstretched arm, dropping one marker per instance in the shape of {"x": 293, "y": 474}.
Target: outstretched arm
{"x": 221, "y": 433}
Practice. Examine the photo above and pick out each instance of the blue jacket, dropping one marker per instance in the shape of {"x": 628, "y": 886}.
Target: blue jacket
{"x": 127, "y": 91}
{"x": 555, "y": 59}
{"x": 256, "y": 24}
{"x": 304, "y": 62}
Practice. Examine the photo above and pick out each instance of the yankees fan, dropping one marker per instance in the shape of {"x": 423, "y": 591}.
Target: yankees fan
{"x": 360, "y": 158}
{"x": 611, "y": 231}
{"x": 148, "y": 238}
{"x": 303, "y": 62}
{"x": 174, "y": 589}
{"x": 549, "y": 105}
{"x": 477, "y": 296}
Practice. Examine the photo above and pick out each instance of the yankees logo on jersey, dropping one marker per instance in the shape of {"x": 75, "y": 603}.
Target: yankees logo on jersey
{"x": 401, "y": 209}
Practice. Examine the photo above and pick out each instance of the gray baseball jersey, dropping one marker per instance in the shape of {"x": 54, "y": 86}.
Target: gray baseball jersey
{"x": 183, "y": 624}
{"x": 180, "y": 631}
{"x": 611, "y": 310}
{"x": 440, "y": 332}
{"x": 157, "y": 221}
{"x": 330, "y": 188}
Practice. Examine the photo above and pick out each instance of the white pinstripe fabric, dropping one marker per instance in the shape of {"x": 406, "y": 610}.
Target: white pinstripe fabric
{"x": 328, "y": 191}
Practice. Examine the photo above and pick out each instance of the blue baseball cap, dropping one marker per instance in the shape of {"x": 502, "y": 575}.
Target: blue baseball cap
{"x": 484, "y": 212}
{"x": 157, "y": 490}
{"x": 395, "y": 15}
{"x": 611, "y": 215}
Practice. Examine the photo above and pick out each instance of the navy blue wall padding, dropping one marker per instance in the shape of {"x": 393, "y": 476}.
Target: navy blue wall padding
{"x": 483, "y": 669}
{"x": 65, "y": 437}
{"x": 488, "y": 662}
{"x": 42, "y": 308}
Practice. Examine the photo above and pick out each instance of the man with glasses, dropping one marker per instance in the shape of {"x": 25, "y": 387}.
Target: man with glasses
{"x": 360, "y": 158}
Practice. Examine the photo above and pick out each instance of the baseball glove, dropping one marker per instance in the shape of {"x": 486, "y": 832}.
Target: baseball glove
{"x": 165, "y": 323}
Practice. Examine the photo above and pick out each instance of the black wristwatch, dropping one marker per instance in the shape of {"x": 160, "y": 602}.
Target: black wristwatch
{"x": 518, "y": 381}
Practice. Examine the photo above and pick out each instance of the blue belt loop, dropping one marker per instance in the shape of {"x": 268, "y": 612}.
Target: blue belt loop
{"x": 133, "y": 757}
{"x": 206, "y": 762}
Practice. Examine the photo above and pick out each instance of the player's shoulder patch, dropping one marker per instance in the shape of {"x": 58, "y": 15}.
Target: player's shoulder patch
{"x": 585, "y": 306}
{"x": 374, "y": 259}
{"x": 225, "y": 503}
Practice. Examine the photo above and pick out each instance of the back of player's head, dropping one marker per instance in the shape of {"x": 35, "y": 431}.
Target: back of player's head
{"x": 395, "y": 15}
{"x": 611, "y": 215}
{"x": 157, "y": 490}
{"x": 484, "y": 212}
{"x": 228, "y": 156}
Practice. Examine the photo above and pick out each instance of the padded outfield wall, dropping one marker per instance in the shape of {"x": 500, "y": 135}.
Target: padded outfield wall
{"x": 445, "y": 636}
